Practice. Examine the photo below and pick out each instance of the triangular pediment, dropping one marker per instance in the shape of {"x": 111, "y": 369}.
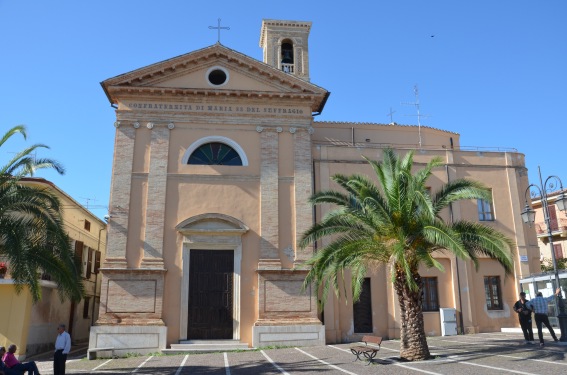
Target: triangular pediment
{"x": 188, "y": 74}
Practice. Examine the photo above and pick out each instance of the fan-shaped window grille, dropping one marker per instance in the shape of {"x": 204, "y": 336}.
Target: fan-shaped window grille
{"x": 215, "y": 153}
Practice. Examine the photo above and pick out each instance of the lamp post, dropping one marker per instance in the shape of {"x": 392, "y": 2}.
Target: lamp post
{"x": 528, "y": 216}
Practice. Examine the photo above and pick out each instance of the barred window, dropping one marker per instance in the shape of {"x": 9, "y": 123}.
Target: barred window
{"x": 492, "y": 292}
{"x": 430, "y": 294}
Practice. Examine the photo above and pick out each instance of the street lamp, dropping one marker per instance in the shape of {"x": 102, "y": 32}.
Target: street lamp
{"x": 528, "y": 216}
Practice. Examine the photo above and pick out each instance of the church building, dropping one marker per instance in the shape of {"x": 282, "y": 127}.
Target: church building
{"x": 215, "y": 157}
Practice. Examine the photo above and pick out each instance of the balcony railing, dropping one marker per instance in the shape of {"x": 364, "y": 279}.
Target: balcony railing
{"x": 556, "y": 225}
{"x": 287, "y": 68}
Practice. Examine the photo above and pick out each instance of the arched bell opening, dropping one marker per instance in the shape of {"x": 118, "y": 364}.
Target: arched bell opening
{"x": 287, "y": 58}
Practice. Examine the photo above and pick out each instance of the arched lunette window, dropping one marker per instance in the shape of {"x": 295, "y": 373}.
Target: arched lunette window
{"x": 215, "y": 150}
{"x": 215, "y": 153}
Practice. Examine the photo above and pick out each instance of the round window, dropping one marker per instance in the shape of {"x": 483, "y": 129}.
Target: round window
{"x": 217, "y": 77}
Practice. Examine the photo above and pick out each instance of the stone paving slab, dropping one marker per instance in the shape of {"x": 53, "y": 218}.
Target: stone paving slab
{"x": 494, "y": 353}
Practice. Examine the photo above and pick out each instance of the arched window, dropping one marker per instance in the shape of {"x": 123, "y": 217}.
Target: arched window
{"x": 215, "y": 153}
{"x": 215, "y": 150}
{"x": 287, "y": 56}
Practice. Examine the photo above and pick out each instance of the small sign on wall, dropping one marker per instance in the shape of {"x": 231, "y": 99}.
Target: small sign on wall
{"x": 523, "y": 258}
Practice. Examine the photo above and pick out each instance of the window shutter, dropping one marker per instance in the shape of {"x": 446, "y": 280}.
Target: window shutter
{"x": 97, "y": 262}
{"x": 558, "y": 249}
{"x": 79, "y": 256}
{"x": 89, "y": 262}
{"x": 552, "y": 217}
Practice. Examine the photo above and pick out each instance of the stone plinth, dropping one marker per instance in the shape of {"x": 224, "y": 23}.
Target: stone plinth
{"x": 129, "y": 339}
{"x": 131, "y": 297}
{"x": 288, "y": 335}
{"x": 287, "y": 313}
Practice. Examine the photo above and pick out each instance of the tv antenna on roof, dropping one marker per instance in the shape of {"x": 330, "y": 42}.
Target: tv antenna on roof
{"x": 419, "y": 115}
{"x": 88, "y": 200}
{"x": 391, "y": 114}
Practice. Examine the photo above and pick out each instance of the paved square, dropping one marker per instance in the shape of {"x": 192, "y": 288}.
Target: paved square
{"x": 485, "y": 353}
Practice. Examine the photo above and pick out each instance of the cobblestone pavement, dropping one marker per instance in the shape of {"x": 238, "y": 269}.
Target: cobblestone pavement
{"x": 485, "y": 353}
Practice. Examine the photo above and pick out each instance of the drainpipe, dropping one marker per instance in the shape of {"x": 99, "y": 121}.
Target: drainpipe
{"x": 456, "y": 260}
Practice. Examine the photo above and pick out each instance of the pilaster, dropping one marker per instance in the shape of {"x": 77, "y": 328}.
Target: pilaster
{"x": 269, "y": 182}
{"x": 155, "y": 204}
{"x": 120, "y": 196}
{"x": 303, "y": 180}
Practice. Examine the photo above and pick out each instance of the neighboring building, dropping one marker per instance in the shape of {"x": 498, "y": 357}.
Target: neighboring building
{"x": 32, "y": 326}
{"x": 558, "y": 223}
{"x": 215, "y": 157}
{"x": 545, "y": 281}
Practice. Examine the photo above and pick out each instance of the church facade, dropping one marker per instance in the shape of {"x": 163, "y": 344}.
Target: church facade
{"x": 215, "y": 157}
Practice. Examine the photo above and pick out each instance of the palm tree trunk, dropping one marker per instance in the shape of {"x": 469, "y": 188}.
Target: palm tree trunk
{"x": 413, "y": 345}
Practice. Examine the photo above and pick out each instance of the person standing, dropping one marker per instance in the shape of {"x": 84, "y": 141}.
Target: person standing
{"x": 525, "y": 316}
{"x": 62, "y": 348}
{"x": 539, "y": 306}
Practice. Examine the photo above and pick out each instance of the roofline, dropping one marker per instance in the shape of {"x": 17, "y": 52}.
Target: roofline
{"x": 390, "y": 124}
{"x": 39, "y": 180}
{"x": 293, "y": 80}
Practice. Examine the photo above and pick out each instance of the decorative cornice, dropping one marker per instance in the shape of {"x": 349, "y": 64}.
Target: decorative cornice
{"x": 156, "y": 73}
{"x": 172, "y": 91}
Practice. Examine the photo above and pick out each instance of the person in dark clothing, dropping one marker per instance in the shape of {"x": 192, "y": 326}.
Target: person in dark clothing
{"x": 525, "y": 316}
{"x": 12, "y": 362}
{"x": 4, "y": 370}
{"x": 539, "y": 306}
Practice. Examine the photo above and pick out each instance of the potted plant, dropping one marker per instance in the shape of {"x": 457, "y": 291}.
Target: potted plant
{"x": 3, "y": 269}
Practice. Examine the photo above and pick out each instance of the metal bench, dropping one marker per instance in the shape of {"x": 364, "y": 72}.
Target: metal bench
{"x": 91, "y": 352}
{"x": 369, "y": 352}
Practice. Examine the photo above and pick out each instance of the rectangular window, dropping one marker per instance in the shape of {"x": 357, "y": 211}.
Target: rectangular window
{"x": 87, "y": 225}
{"x": 86, "y": 307}
{"x": 430, "y": 295}
{"x": 492, "y": 292}
{"x": 558, "y": 250}
{"x": 485, "y": 210}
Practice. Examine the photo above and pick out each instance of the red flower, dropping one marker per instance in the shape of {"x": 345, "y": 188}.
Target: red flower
{"x": 3, "y": 267}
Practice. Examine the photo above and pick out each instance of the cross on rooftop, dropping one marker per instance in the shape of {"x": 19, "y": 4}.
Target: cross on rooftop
{"x": 219, "y": 29}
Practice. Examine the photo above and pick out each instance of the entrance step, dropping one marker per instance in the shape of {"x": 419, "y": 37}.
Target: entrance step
{"x": 206, "y": 346}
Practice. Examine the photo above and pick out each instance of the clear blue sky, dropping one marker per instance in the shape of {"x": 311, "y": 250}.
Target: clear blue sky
{"x": 493, "y": 71}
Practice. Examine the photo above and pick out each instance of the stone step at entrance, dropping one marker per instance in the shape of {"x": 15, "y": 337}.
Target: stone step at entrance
{"x": 206, "y": 346}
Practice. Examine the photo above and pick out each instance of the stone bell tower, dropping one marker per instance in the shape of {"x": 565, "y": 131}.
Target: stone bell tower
{"x": 285, "y": 46}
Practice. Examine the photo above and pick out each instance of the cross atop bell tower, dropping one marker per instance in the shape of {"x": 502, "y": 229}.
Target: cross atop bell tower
{"x": 285, "y": 46}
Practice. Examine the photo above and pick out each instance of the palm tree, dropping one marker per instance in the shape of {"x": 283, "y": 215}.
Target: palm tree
{"x": 32, "y": 236}
{"x": 397, "y": 223}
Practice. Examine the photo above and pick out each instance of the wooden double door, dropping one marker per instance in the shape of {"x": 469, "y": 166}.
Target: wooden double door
{"x": 211, "y": 279}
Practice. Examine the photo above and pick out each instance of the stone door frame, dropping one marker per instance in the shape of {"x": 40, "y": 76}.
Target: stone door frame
{"x": 211, "y": 232}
